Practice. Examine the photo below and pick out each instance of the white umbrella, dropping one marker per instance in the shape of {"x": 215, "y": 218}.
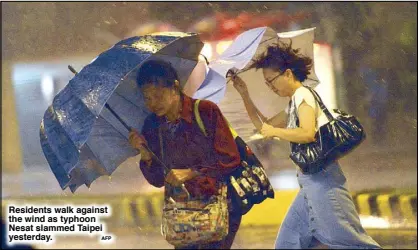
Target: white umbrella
{"x": 241, "y": 52}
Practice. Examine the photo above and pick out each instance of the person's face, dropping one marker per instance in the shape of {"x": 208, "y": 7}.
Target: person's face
{"x": 277, "y": 81}
{"x": 159, "y": 99}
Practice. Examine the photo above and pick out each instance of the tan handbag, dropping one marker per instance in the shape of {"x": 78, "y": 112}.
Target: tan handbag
{"x": 195, "y": 222}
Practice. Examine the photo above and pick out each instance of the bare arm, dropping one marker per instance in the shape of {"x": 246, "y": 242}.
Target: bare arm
{"x": 257, "y": 118}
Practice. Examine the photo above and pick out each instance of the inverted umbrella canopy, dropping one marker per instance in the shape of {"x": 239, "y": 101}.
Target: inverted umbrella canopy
{"x": 81, "y": 139}
{"x": 243, "y": 50}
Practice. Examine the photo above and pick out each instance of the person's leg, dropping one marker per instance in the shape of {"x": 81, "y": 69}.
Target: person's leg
{"x": 334, "y": 220}
{"x": 234, "y": 223}
{"x": 293, "y": 232}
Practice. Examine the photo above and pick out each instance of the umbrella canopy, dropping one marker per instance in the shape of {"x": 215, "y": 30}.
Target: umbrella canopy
{"x": 81, "y": 139}
{"x": 246, "y": 47}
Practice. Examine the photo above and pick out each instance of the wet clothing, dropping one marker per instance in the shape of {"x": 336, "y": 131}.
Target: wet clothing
{"x": 182, "y": 145}
{"x": 323, "y": 210}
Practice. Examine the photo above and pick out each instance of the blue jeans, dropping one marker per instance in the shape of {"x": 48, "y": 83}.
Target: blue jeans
{"x": 323, "y": 212}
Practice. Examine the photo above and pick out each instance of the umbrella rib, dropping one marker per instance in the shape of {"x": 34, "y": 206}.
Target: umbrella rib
{"x": 99, "y": 163}
{"x": 269, "y": 40}
{"x": 65, "y": 132}
{"x": 98, "y": 158}
{"x": 251, "y": 44}
{"x": 77, "y": 183}
{"x": 245, "y": 68}
{"x": 126, "y": 99}
{"x": 112, "y": 126}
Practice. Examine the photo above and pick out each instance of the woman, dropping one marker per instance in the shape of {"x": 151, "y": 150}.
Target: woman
{"x": 323, "y": 212}
{"x": 195, "y": 160}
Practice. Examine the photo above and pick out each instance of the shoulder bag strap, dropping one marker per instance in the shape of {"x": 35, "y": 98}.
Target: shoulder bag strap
{"x": 202, "y": 125}
{"x": 321, "y": 104}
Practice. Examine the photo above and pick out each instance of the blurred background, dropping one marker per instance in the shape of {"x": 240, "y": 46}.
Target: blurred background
{"x": 365, "y": 55}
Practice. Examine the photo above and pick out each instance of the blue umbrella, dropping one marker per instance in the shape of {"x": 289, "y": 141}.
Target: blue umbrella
{"x": 84, "y": 133}
{"x": 245, "y": 47}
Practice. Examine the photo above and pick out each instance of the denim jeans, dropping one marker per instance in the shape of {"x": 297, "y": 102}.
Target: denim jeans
{"x": 323, "y": 212}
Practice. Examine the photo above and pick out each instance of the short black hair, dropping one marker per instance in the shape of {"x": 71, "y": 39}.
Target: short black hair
{"x": 156, "y": 72}
{"x": 281, "y": 57}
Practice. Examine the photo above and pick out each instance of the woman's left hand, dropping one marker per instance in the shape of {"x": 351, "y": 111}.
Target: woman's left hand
{"x": 268, "y": 131}
{"x": 176, "y": 177}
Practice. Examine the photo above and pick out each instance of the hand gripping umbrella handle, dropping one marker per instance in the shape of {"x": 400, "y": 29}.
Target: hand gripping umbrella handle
{"x": 183, "y": 187}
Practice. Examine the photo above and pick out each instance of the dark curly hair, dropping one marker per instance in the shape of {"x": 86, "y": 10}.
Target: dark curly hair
{"x": 156, "y": 72}
{"x": 281, "y": 57}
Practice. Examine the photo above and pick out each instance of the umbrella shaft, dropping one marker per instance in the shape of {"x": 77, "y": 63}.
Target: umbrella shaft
{"x": 118, "y": 117}
{"x": 130, "y": 129}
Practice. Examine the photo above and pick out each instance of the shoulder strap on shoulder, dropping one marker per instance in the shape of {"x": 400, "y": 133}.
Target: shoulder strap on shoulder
{"x": 202, "y": 125}
{"x": 233, "y": 132}
{"x": 198, "y": 118}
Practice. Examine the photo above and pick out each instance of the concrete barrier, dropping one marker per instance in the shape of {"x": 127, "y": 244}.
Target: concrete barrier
{"x": 145, "y": 210}
{"x": 392, "y": 206}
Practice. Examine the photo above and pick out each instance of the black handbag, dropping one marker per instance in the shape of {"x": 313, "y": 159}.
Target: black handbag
{"x": 333, "y": 140}
{"x": 249, "y": 181}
